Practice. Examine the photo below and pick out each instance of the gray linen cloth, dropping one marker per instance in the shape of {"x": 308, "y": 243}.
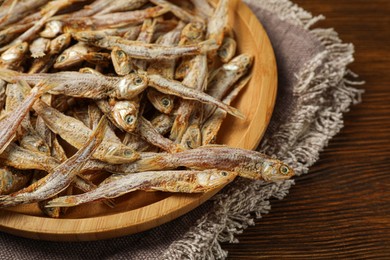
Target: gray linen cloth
{"x": 313, "y": 93}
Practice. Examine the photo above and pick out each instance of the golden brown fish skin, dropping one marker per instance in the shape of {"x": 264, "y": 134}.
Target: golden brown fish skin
{"x": 9, "y": 34}
{"x": 227, "y": 50}
{"x": 12, "y": 180}
{"x": 248, "y": 164}
{"x": 73, "y": 56}
{"x": 147, "y": 131}
{"x": 10, "y": 124}
{"x": 203, "y": 8}
{"x": 14, "y": 56}
{"x": 163, "y": 102}
{"x": 192, "y": 33}
{"x": 61, "y": 177}
{"x": 76, "y": 134}
{"x": 212, "y": 125}
{"x": 113, "y": 20}
{"x": 57, "y": 45}
{"x": 26, "y": 134}
{"x": 85, "y": 85}
{"x": 140, "y": 50}
{"x": 122, "y": 5}
{"x": 225, "y": 77}
{"x": 146, "y": 36}
{"x": 161, "y": 123}
{"x": 217, "y": 24}
{"x": 176, "y": 88}
{"x": 172, "y": 181}
{"x": 23, "y": 159}
{"x": 196, "y": 78}
{"x": 22, "y": 9}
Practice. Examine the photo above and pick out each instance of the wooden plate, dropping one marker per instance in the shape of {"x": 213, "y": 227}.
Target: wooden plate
{"x": 140, "y": 211}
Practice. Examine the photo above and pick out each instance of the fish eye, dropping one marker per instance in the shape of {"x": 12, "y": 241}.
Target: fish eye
{"x": 20, "y": 47}
{"x": 128, "y": 153}
{"x": 223, "y": 52}
{"x": 120, "y": 53}
{"x": 61, "y": 58}
{"x": 224, "y": 174}
{"x": 284, "y": 169}
{"x": 138, "y": 80}
{"x": 129, "y": 119}
{"x": 42, "y": 148}
{"x": 165, "y": 102}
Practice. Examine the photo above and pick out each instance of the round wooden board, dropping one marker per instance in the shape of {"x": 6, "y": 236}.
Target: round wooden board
{"x": 140, "y": 211}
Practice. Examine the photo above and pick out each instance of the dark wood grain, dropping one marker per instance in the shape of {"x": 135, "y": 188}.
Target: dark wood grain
{"x": 341, "y": 209}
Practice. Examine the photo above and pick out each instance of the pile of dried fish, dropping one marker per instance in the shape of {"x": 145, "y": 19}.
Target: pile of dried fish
{"x": 134, "y": 88}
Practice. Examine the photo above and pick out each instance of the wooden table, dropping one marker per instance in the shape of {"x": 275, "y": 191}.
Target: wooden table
{"x": 341, "y": 209}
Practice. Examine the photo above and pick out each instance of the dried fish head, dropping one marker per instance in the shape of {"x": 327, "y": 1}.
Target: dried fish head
{"x": 241, "y": 63}
{"x": 192, "y": 33}
{"x": 52, "y": 29}
{"x": 125, "y": 114}
{"x": 275, "y": 170}
{"x": 121, "y": 61}
{"x": 131, "y": 85}
{"x": 15, "y": 54}
{"x": 71, "y": 56}
{"x": 162, "y": 102}
{"x": 60, "y": 43}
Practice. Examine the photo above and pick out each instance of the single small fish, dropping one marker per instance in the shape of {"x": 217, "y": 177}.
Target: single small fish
{"x": 10, "y": 124}
{"x": 60, "y": 178}
{"x": 12, "y": 180}
{"x": 176, "y": 88}
{"x": 113, "y": 19}
{"x": 248, "y": 164}
{"x": 171, "y": 181}
{"x": 141, "y": 50}
{"x": 86, "y": 85}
